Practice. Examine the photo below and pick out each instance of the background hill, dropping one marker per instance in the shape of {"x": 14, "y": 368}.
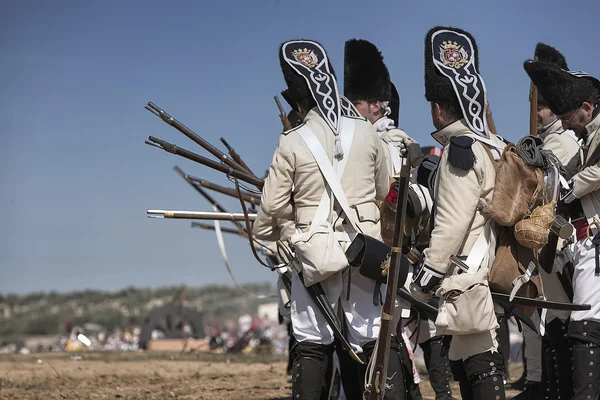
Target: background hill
{"x": 47, "y": 313}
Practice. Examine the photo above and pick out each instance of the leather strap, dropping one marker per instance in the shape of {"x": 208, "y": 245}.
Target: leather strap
{"x": 325, "y": 166}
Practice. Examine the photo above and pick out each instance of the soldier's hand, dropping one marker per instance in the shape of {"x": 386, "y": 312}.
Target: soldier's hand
{"x": 402, "y": 145}
{"x": 418, "y": 293}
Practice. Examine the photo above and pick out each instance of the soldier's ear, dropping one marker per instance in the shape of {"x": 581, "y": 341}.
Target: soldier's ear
{"x": 301, "y": 111}
{"x": 436, "y": 110}
{"x": 438, "y": 115}
{"x": 587, "y": 107}
{"x": 376, "y": 108}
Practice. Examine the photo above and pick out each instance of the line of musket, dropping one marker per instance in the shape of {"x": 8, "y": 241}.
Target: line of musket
{"x": 249, "y": 197}
{"x": 174, "y": 149}
{"x": 199, "y": 215}
{"x": 208, "y": 197}
{"x": 236, "y": 157}
{"x": 166, "y": 117}
{"x": 209, "y": 227}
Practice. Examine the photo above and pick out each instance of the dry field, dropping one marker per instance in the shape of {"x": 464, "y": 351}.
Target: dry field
{"x": 138, "y": 376}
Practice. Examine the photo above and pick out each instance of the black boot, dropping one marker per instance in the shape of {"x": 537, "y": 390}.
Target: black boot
{"x": 558, "y": 359}
{"x": 436, "y": 361}
{"x": 291, "y": 343}
{"x": 311, "y": 364}
{"x": 586, "y": 371}
{"x": 460, "y": 375}
{"x": 533, "y": 391}
{"x": 403, "y": 369}
{"x": 486, "y": 374}
{"x": 351, "y": 379}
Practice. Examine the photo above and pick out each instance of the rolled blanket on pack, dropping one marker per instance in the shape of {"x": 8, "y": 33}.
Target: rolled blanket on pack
{"x": 529, "y": 149}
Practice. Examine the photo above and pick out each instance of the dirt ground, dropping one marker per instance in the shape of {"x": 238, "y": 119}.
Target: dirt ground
{"x": 138, "y": 376}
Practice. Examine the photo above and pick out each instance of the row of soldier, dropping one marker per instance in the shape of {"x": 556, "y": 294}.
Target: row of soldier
{"x": 448, "y": 215}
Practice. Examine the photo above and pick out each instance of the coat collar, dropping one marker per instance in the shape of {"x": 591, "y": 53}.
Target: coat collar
{"x": 456, "y": 128}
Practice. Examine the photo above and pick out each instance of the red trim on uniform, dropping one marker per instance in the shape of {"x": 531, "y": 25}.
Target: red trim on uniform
{"x": 392, "y": 196}
{"x": 581, "y": 228}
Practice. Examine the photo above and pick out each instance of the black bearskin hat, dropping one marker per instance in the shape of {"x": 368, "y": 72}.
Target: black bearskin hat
{"x": 365, "y": 75}
{"x": 561, "y": 90}
{"x": 297, "y": 86}
{"x": 437, "y": 86}
{"x": 286, "y": 96}
{"x": 452, "y": 75}
{"x": 546, "y": 53}
{"x": 395, "y": 105}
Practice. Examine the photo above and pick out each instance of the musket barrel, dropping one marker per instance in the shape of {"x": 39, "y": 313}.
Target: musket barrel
{"x": 236, "y": 157}
{"x": 224, "y": 190}
{"x": 174, "y": 149}
{"x": 199, "y": 215}
{"x": 533, "y": 103}
{"x": 166, "y": 117}
{"x": 212, "y": 228}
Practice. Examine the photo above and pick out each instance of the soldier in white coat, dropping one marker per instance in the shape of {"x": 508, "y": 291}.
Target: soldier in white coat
{"x": 368, "y": 86}
{"x": 574, "y": 98}
{"x": 295, "y": 187}
{"x": 549, "y": 364}
{"x": 465, "y": 179}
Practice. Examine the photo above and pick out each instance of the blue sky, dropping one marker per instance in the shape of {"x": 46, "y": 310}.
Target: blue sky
{"x": 76, "y": 178}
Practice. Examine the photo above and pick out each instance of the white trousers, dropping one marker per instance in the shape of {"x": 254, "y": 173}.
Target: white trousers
{"x": 533, "y": 350}
{"x": 586, "y": 286}
{"x": 362, "y": 316}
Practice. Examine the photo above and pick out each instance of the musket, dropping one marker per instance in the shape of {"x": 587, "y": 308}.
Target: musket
{"x": 174, "y": 149}
{"x": 533, "y": 99}
{"x": 378, "y": 379}
{"x": 502, "y": 298}
{"x": 212, "y": 228}
{"x": 282, "y": 115}
{"x": 162, "y": 114}
{"x": 432, "y": 312}
{"x": 420, "y": 306}
{"x": 208, "y": 197}
{"x": 249, "y": 197}
{"x": 199, "y": 215}
{"x": 236, "y": 157}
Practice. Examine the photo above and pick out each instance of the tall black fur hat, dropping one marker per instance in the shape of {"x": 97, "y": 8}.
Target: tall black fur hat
{"x": 286, "y": 96}
{"x": 296, "y": 83}
{"x": 544, "y": 52}
{"x": 366, "y": 76}
{"x": 562, "y": 90}
{"x": 395, "y": 105}
{"x": 451, "y": 74}
{"x": 308, "y": 73}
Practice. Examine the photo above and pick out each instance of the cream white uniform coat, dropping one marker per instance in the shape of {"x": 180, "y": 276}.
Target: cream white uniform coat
{"x": 293, "y": 190}
{"x": 458, "y": 222}
{"x": 565, "y": 147}
{"x": 586, "y": 187}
